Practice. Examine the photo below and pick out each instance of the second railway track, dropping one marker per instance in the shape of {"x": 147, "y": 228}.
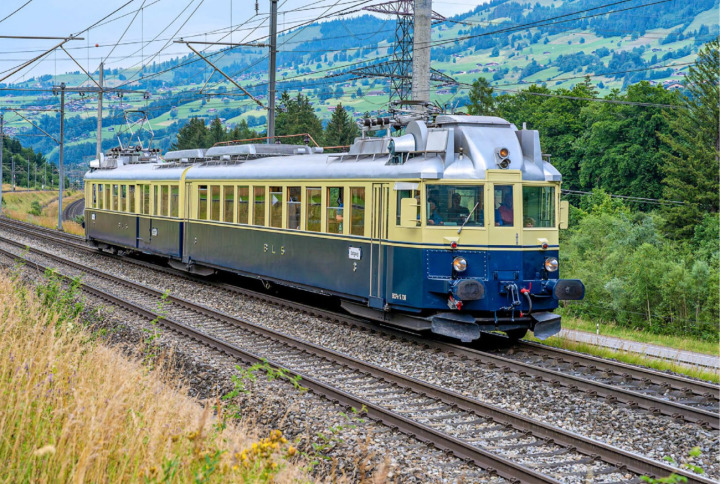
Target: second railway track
{"x": 492, "y": 437}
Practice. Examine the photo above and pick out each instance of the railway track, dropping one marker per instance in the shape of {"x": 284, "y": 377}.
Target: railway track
{"x": 516, "y": 447}
{"x": 74, "y": 209}
{"x": 653, "y": 391}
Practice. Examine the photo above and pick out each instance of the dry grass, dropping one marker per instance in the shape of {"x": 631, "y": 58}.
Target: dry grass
{"x": 74, "y": 410}
{"x": 17, "y": 205}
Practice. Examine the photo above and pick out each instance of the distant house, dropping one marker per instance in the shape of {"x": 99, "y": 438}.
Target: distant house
{"x": 375, "y": 93}
{"x": 473, "y": 71}
{"x": 656, "y": 49}
{"x": 492, "y": 64}
{"x": 547, "y": 52}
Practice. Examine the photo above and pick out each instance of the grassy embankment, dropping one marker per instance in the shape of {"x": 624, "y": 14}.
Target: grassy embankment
{"x": 75, "y": 410}
{"x": 18, "y": 205}
{"x": 672, "y": 342}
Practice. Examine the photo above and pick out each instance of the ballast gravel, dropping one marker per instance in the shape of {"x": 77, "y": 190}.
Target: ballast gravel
{"x": 337, "y": 444}
{"x": 634, "y": 430}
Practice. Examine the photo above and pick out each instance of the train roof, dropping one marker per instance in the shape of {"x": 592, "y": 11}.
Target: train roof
{"x": 458, "y": 147}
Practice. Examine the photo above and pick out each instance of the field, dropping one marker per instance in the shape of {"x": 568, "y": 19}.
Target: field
{"x": 75, "y": 410}
{"x": 18, "y": 205}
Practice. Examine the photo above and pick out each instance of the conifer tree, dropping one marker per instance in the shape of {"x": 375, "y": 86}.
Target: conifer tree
{"x": 341, "y": 130}
{"x": 296, "y": 116}
{"x": 693, "y": 157}
{"x": 482, "y": 101}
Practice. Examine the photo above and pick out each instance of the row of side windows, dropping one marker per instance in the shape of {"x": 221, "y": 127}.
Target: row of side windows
{"x": 335, "y": 210}
{"x": 160, "y": 200}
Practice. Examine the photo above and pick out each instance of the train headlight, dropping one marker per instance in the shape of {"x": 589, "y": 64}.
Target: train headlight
{"x": 459, "y": 264}
{"x": 551, "y": 264}
{"x": 504, "y": 152}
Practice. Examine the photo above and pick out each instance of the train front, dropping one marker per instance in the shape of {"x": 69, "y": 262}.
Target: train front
{"x": 490, "y": 235}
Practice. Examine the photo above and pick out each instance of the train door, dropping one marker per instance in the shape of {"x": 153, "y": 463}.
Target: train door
{"x": 378, "y": 233}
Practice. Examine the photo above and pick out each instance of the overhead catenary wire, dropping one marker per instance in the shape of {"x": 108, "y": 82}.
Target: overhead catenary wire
{"x": 15, "y": 11}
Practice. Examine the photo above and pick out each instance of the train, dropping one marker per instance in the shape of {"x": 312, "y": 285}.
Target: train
{"x": 450, "y": 229}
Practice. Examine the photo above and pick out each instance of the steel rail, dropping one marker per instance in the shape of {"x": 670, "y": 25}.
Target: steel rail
{"x": 698, "y": 387}
{"x": 486, "y": 460}
{"x": 618, "y": 457}
{"x": 610, "y": 392}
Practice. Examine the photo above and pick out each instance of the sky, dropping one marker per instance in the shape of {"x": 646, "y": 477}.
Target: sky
{"x": 137, "y": 22}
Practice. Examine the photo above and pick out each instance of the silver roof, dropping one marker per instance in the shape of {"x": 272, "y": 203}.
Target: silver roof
{"x": 462, "y": 148}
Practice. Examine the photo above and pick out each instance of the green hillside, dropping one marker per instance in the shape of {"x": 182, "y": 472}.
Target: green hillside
{"x": 511, "y": 43}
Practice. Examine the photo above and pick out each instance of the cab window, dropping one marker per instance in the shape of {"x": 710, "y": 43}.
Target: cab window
{"x": 108, "y": 206}
{"x": 538, "y": 207}
{"x": 503, "y": 204}
{"x": 401, "y": 194}
{"x": 452, "y": 205}
{"x": 357, "y": 211}
{"x": 94, "y": 195}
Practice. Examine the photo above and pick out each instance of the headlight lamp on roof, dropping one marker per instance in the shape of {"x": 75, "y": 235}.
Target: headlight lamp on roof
{"x": 502, "y": 157}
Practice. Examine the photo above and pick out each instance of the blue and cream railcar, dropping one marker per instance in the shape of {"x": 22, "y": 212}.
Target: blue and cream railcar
{"x": 451, "y": 229}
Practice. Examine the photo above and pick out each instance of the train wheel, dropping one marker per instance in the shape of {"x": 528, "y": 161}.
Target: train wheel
{"x": 516, "y": 334}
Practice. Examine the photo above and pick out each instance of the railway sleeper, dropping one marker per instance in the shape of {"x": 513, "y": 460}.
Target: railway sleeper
{"x": 555, "y": 465}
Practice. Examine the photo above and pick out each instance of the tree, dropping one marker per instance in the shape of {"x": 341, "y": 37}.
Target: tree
{"x": 482, "y": 101}
{"x": 341, "y": 130}
{"x": 619, "y": 149}
{"x": 297, "y": 116}
{"x": 192, "y": 135}
{"x": 217, "y": 132}
{"x": 693, "y": 146}
{"x": 242, "y": 131}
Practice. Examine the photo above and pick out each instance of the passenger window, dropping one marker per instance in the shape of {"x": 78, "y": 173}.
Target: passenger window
{"x": 504, "y": 211}
{"x": 115, "y": 197}
{"x": 407, "y": 194}
{"x": 202, "y": 202}
{"x": 100, "y": 196}
{"x": 229, "y": 203}
{"x": 156, "y": 200}
{"x": 123, "y": 198}
{"x": 276, "y": 203}
{"x": 94, "y": 195}
{"x": 259, "y": 206}
{"x": 313, "y": 209}
{"x": 454, "y": 205}
{"x": 131, "y": 198}
{"x": 357, "y": 211}
{"x": 335, "y": 207}
{"x": 243, "y": 198}
{"x": 538, "y": 207}
{"x": 294, "y": 197}
{"x": 174, "y": 200}
{"x": 108, "y": 206}
{"x": 165, "y": 200}
{"x": 215, "y": 202}
{"x": 146, "y": 199}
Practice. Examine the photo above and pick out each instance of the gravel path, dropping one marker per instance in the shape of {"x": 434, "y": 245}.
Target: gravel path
{"x": 633, "y": 430}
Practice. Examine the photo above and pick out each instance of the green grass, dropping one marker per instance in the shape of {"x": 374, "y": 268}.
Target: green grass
{"x": 674, "y": 342}
{"x": 631, "y": 358}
